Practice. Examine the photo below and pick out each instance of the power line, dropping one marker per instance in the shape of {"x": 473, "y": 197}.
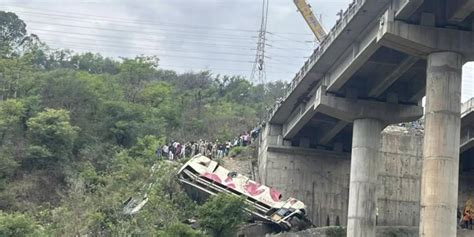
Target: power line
{"x": 166, "y": 41}
{"x": 69, "y": 14}
{"x": 124, "y": 20}
{"x": 214, "y": 68}
{"x": 180, "y": 42}
{"x": 273, "y": 56}
{"x": 187, "y": 33}
{"x": 99, "y": 48}
{"x": 289, "y": 39}
{"x": 146, "y": 43}
{"x": 152, "y": 29}
{"x": 288, "y": 48}
{"x": 127, "y": 30}
{"x": 190, "y": 31}
{"x": 71, "y": 18}
{"x": 153, "y": 47}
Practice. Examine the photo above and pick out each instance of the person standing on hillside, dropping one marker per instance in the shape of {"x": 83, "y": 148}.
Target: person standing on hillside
{"x": 183, "y": 151}
{"x": 227, "y": 148}
{"x": 466, "y": 219}
{"x": 245, "y": 138}
{"x": 179, "y": 148}
{"x": 171, "y": 152}
{"x": 188, "y": 152}
{"x": 214, "y": 149}
{"x": 165, "y": 150}
{"x": 193, "y": 149}
{"x": 254, "y": 133}
{"x": 220, "y": 150}
{"x": 158, "y": 152}
{"x": 209, "y": 150}
{"x": 202, "y": 147}
{"x": 236, "y": 141}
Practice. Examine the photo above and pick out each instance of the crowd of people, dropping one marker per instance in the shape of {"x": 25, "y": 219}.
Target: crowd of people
{"x": 217, "y": 149}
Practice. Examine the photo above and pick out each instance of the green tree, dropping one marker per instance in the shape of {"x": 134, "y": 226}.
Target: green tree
{"x": 18, "y": 225}
{"x": 12, "y": 112}
{"x": 146, "y": 147}
{"x": 180, "y": 230}
{"x": 123, "y": 122}
{"x": 78, "y": 214}
{"x": 78, "y": 134}
{"x": 94, "y": 63}
{"x": 52, "y": 136}
{"x": 12, "y": 33}
{"x": 135, "y": 73}
{"x": 222, "y": 214}
{"x": 15, "y": 78}
{"x": 157, "y": 93}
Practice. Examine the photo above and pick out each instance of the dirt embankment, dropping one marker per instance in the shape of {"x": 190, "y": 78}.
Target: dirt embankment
{"x": 243, "y": 163}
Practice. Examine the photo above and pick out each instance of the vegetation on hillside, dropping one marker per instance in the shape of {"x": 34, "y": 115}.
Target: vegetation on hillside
{"x": 78, "y": 134}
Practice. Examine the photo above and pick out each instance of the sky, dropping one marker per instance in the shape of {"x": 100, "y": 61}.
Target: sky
{"x": 187, "y": 35}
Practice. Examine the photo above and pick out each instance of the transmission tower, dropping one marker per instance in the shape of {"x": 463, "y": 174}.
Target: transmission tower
{"x": 258, "y": 71}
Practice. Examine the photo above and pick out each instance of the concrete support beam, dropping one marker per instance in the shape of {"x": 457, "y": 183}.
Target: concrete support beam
{"x": 352, "y": 109}
{"x": 346, "y": 110}
{"x": 387, "y": 81}
{"x": 406, "y": 8}
{"x": 301, "y": 116}
{"x": 458, "y": 10}
{"x": 363, "y": 178}
{"x": 274, "y": 136}
{"x": 422, "y": 40}
{"x": 329, "y": 135}
{"x": 467, "y": 139}
{"x": 343, "y": 70}
{"x": 439, "y": 185}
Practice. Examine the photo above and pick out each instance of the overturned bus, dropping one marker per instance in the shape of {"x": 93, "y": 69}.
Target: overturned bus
{"x": 208, "y": 177}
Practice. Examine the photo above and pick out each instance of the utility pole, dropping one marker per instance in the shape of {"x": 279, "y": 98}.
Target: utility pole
{"x": 258, "y": 71}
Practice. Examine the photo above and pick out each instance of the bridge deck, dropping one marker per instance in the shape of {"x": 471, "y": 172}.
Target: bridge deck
{"x": 355, "y": 61}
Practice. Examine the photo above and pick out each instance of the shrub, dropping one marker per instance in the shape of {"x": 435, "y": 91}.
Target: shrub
{"x": 222, "y": 214}
{"x": 18, "y": 225}
{"x": 180, "y": 230}
{"x": 336, "y": 232}
{"x": 235, "y": 151}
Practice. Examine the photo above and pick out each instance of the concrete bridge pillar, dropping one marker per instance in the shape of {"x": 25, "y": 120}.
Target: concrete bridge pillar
{"x": 363, "y": 177}
{"x": 369, "y": 117}
{"x": 439, "y": 185}
{"x": 446, "y": 50}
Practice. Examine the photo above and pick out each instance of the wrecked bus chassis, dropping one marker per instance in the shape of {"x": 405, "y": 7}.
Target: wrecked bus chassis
{"x": 208, "y": 177}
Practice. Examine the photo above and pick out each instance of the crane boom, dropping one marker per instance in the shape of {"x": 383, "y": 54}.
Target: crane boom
{"x": 307, "y": 13}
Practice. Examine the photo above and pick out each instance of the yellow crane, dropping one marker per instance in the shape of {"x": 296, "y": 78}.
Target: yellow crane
{"x": 305, "y": 10}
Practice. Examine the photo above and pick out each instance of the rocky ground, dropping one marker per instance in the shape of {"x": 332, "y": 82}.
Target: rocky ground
{"x": 242, "y": 163}
{"x": 465, "y": 233}
{"x": 239, "y": 165}
{"x": 382, "y": 231}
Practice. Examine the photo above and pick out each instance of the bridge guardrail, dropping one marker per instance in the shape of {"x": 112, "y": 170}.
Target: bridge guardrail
{"x": 467, "y": 107}
{"x": 353, "y": 8}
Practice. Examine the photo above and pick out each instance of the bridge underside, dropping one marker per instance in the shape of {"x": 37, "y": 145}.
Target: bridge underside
{"x": 402, "y": 84}
{"x": 372, "y": 70}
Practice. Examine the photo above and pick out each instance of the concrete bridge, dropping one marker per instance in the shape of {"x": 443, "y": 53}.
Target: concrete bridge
{"x": 373, "y": 69}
